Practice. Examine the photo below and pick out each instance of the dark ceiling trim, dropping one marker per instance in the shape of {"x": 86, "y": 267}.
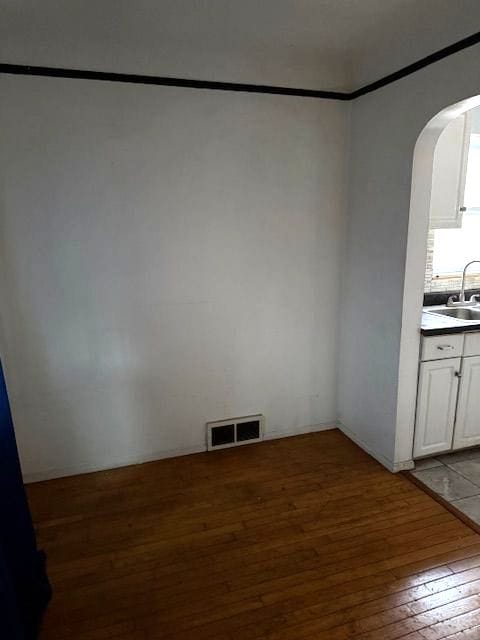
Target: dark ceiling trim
{"x": 105, "y": 76}
{"x": 416, "y": 66}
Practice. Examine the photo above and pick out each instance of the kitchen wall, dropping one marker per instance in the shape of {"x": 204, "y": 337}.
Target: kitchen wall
{"x": 169, "y": 256}
{"x": 380, "y": 320}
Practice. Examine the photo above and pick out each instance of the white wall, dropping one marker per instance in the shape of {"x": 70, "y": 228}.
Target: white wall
{"x": 385, "y": 127}
{"x": 169, "y": 256}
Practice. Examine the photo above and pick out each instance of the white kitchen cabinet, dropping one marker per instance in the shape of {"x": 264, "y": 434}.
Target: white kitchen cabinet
{"x": 436, "y": 403}
{"x": 440, "y": 347}
{"x": 471, "y": 344}
{"x": 467, "y": 424}
{"x": 449, "y": 172}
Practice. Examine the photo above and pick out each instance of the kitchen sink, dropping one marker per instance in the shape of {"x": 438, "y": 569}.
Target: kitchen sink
{"x": 461, "y": 313}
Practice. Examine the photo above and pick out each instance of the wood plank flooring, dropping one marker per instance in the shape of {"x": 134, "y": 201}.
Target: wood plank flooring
{"x": 305, "y": 537}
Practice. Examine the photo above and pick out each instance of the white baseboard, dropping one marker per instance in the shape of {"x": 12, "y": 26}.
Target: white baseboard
{"x": 78, "y": 469}
{"x": 174, "y": 453}
{"x": 394, "y": 467}
{"x": 403, "y": 465}
{"x": 313, "y": 428}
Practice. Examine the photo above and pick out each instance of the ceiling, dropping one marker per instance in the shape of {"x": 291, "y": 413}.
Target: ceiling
{"x": 319, "y": 44}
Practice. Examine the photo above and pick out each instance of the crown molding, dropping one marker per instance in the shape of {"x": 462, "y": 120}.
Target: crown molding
{"x": 165, "y": 81}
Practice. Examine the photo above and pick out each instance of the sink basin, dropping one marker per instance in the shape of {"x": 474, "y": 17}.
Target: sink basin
{"x": 459, "y": 313}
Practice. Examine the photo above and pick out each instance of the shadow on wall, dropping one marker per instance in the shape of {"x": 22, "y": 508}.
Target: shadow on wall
{"x": 26, "y": 343}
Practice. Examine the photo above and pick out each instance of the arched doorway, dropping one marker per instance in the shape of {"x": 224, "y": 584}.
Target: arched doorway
{"x": 415, "y": 271}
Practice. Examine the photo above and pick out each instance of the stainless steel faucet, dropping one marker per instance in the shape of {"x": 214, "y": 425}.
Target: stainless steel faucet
{"x": 451, "y": 302}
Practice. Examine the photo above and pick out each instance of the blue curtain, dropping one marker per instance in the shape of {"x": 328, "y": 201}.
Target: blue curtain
{"x": 24, "y": 586}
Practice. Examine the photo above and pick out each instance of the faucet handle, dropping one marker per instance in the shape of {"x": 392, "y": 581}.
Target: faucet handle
{"x": 475, "y": 298}
{"x": 452, "y": 301}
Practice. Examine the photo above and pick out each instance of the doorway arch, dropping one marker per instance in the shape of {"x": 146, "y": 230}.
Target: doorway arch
{"x": 415, "y": 260}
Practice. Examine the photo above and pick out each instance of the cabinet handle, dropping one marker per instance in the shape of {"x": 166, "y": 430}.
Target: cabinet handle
{"x": 458, "y": 374}
{"x": 445, "y": 347}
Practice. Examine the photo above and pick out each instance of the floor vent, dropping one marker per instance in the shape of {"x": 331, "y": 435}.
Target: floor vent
{"x": 234, "y": 432}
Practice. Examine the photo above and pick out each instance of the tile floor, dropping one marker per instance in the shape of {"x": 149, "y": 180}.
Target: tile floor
{"x": 455, "y": 477}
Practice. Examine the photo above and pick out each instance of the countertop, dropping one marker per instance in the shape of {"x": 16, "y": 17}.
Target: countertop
{"x": 436, "y": 325}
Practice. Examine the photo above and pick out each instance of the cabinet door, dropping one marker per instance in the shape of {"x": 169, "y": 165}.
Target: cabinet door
{"x": 449, "y": 172}
{"x": 467, "y": 426}
{"x": 436, "y": 402}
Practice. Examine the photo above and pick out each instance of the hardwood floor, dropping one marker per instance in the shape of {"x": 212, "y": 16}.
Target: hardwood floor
{"x": 306, "y": 537}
